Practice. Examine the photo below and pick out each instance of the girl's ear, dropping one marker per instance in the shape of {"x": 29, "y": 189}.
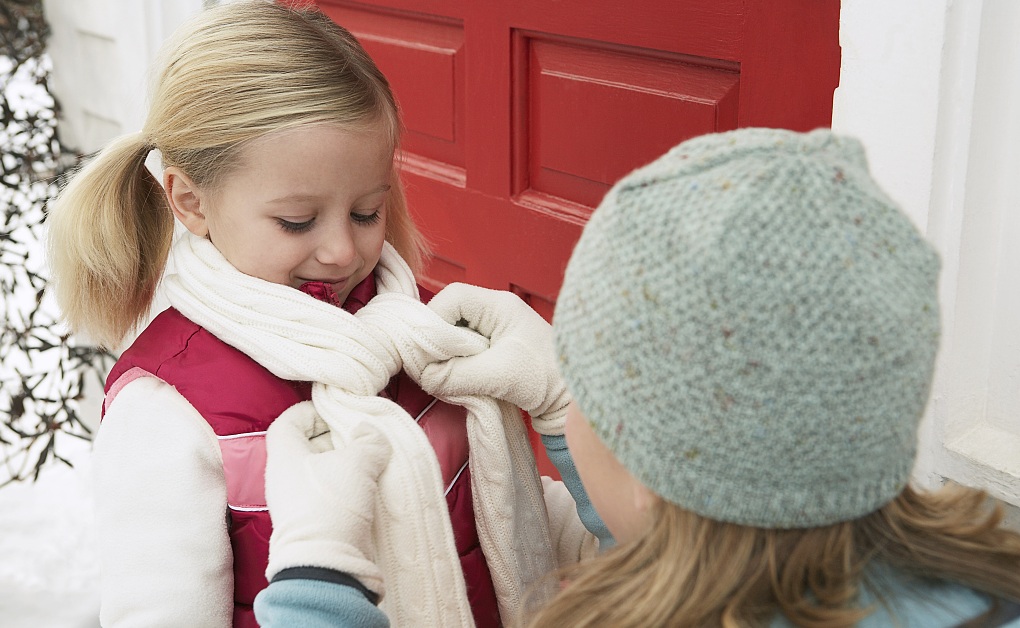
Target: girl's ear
{"x": 185, "y": 200}
{"x": 644, "y": 499}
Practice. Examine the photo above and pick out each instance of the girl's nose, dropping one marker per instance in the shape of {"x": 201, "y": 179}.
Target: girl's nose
{"x": 336, "y": 247}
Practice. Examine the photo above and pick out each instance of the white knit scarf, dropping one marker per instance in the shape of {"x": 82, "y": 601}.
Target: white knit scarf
{"x": 350, "y": 358}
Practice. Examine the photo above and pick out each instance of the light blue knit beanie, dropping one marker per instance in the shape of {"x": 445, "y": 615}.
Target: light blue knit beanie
{"x": 750, "y": 325}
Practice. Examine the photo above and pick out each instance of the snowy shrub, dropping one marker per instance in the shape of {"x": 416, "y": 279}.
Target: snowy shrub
{"x": 43, "y": 371}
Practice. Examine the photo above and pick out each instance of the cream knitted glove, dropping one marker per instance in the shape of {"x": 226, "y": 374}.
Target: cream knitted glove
{"x": 322, "y": 501}
{"x": 519, "y": 366}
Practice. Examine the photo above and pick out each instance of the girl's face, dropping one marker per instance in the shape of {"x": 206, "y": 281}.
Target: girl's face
{"x": 306, "y": 204}
{"x": 619, "y": 498}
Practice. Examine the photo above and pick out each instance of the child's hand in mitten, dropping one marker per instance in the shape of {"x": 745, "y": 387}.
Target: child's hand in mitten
{"x": 323, "y": 502}
{"x": 519, "y": 366}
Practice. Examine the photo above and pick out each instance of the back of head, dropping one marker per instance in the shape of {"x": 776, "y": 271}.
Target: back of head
{"x": 232, "y": 74}
{"x": 750, "y": 325}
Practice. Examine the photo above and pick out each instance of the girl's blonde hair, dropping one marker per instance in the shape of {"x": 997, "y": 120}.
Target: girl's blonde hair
{"x": 692, "y": 571}
{"x": 233, "y": 74}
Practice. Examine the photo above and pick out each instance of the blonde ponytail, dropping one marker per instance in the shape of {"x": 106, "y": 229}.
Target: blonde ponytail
{"x": 109, "y": 239}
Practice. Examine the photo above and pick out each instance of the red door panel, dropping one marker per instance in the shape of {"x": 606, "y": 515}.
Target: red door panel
{"x": 423, "y": 58}
{"x": 583, "y": 103}
{"x": 520, "y": 115}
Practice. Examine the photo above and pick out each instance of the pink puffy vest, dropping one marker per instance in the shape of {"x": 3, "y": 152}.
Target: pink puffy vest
{"x": 239, "y": 398}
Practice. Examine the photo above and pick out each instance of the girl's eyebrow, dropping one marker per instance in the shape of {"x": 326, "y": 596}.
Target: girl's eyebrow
{"x": 382, "y": 188}
{"x": 291, "y": 198}
{"x": 301, "y": 197}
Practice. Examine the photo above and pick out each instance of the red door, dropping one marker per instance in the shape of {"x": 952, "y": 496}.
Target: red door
{"x": 520, "y": 114}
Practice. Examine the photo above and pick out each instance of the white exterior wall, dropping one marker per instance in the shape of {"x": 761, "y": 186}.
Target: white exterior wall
{"x": 101, "y": 51}
{"x": 932, "y": 87}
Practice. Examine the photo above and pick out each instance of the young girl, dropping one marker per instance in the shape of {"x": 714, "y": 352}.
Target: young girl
{"x": 277, "y": 134}
{"x": 748, "y": 326}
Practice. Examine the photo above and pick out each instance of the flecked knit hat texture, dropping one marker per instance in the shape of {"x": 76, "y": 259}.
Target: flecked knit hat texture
{"x": 750, "y": 325}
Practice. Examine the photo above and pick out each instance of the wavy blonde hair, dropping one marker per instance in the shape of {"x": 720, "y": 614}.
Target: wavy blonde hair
{"x": 723, "y": 574}
{"x": 231, "y": 75}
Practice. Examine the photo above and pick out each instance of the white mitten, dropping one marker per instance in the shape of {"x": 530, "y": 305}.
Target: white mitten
{"x": 322, "y": 500}
{"x": 519, "y": 366}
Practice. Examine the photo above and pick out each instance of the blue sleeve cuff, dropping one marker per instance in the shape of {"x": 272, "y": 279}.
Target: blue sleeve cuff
{"x": 316, "y": 602}
{"x": 559, "y": 455}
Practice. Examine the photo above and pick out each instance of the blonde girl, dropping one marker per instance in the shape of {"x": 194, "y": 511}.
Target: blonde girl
{"x": 277, "y": 135}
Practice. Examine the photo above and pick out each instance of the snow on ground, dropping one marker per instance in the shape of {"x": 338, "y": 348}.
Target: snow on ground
{"x": 49, "y": 571}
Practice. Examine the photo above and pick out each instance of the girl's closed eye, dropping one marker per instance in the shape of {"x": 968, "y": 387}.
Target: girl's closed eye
{"x": 292, "y": 226}
{"x": 366, "y": 218}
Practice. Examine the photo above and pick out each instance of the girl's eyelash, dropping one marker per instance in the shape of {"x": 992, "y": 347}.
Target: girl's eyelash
{"x": 365, "y": 219}
{"x": 294, "y": 227}
{"x": 299, "y": 227}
